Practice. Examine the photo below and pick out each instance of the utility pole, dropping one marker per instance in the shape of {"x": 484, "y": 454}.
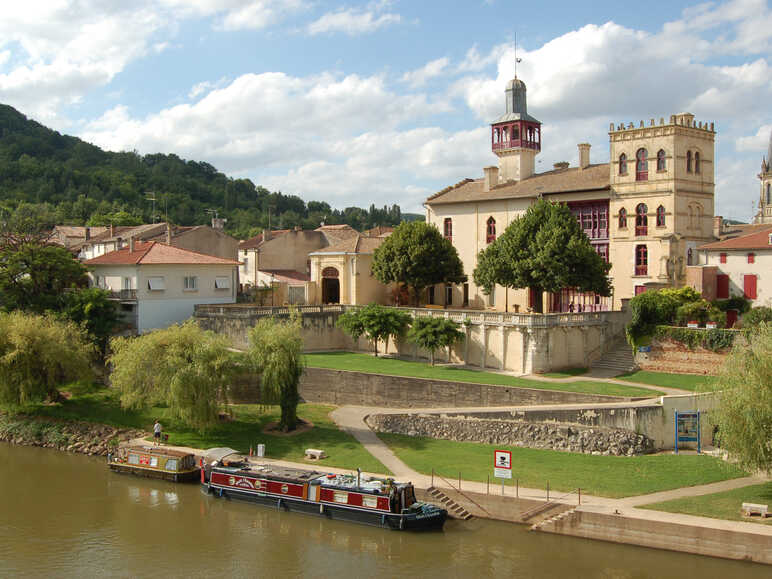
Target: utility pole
{"x": 150, "y": 196}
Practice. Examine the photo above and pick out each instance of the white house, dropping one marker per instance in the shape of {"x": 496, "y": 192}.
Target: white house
{"x": 158, "y": 285}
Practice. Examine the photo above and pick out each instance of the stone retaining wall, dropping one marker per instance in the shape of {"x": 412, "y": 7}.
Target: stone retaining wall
{"x": 565, "y": 437}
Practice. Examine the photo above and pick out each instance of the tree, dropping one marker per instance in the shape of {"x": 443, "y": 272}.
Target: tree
{"x": 35, "y": 275}
{"x": 416, "y": 255}
{"x": 433, "y": 333}
{"x": 744, "y": 410}
{"x": 276, "y": 354}
{"x": 376, "y": 322}
{"x": 182, "y": 366}
{"x": 93, "y": 309}
{"x": 545, "y": 250}
{"x": 38, "y": 354}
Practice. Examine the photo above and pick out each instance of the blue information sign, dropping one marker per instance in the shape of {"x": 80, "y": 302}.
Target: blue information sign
{"x": 687, "y": 428}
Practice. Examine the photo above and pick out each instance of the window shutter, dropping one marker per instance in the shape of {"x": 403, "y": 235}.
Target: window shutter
{"x": 749, "y": 286}
{"x": 222, "y": 283}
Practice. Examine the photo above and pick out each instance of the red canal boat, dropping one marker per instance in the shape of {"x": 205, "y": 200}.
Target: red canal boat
{"x": 374, "y": 501}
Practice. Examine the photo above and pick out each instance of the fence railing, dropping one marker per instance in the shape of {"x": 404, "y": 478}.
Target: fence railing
{"x": 525, "y": 515}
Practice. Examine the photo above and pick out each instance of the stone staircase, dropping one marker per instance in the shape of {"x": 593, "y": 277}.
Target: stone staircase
{"x": 455, "y": 510}
{"x": 552, "y": 520}
{"x": 617, "y": 360}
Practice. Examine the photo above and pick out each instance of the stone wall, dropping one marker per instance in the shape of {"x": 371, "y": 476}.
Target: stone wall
{"x": 674, "y": 358}
{"x": 551, "y": 436}
{"x": 341, "y": 387}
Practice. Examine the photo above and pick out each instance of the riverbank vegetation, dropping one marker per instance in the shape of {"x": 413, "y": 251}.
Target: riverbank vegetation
{"x": 606, "y": 476}
{"x": 393, "y": 367}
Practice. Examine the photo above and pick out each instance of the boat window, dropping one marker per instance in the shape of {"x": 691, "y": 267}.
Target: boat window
{"x": 409, "y": 496}
{"x": 340, "y": 497}
{"x": 154, "y": 461}
{"x": 171, "y": 464}
{"x": 369, "y": 501}
{"x": 133, "y": 459}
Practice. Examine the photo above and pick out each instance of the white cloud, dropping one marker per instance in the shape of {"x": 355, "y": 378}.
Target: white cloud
{"x": 354, "y": 21}
{"x": 237, "y": 14}
{"x": 432, "y": 69}
{"x": 757, "y": 143}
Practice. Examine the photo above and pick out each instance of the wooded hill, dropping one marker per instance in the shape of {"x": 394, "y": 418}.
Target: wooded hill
{"x": 62, "y": 179}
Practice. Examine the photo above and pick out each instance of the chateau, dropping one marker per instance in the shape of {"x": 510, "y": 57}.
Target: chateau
{"x": 646, "y": 211}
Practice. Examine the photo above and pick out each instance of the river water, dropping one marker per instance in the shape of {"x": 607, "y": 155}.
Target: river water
{"x": 66, "y": 515}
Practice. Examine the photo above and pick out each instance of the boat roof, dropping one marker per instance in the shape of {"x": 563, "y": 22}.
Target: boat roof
{"x": 219, "y": 453}
{"x": 160, "y": 450}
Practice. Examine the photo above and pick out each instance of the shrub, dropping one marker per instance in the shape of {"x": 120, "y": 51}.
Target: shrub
{"x": 757, "y": 316}
{"x": 702, "y": 311}
{"x": 738, "y": 303}
{"x": 713, "y": 340}
{"x": 650, "y": 309}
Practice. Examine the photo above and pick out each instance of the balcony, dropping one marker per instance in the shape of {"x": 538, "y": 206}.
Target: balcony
{"x": 517, "y": 144}
{"x": 124, "y": 294}
{"x": 641, "y": 270}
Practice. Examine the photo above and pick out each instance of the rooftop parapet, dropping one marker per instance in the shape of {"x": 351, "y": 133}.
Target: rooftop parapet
{"x": 681, "y": 120}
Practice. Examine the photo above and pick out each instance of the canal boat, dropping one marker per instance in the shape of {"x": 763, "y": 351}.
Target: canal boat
{"x": 357, "y": 498}
{"x": 155, "y": 462}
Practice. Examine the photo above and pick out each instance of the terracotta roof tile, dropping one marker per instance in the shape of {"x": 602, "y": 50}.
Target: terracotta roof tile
{"x": 152, "y": 252}
{"x": 257, "y": 240}
{"x": 358, "y": 244}
{"x": 287, "y": 275}
{"x": 759, "y": 239}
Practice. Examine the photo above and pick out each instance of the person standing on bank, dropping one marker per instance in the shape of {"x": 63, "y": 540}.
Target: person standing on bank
{"x": 157, "y": 433}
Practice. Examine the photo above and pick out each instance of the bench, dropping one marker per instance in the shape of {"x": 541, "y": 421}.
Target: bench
{"x": 315, "y": 454}
{"x": 750, "y": 509}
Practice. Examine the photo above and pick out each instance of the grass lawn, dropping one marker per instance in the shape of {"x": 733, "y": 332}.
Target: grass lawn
{"x": 101, "y": 405}
{"x": 607, "y": 476}
{"x": 569, "y": 373}
{"x": 693, "y": 382}
{"x": 724, "y": 505}
{"x": 392, "y": 367}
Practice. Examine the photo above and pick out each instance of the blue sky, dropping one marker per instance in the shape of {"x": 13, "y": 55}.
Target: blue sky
{"x": 386, "y": 101}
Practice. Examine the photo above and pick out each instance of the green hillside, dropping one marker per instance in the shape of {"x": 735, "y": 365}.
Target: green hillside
{"x": 62, "y": 179}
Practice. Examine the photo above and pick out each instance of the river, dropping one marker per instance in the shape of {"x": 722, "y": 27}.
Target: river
{"x": 67, "y": 515}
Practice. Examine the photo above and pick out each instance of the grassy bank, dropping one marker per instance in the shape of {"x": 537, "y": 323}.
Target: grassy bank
{"x": 607, "y": 476}
{"x": 366, "y": 363}
{"x": 691, "y": 382}
{"x": 725, "y": 505}
{"x": 101, "y": 405}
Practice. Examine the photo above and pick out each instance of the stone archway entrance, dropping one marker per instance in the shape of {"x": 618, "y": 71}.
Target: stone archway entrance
{"x": 330, "y": 286}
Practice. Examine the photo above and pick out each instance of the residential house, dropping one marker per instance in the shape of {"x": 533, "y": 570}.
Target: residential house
{"x": 72, "y": 235}
{"x": 158, "y": 285}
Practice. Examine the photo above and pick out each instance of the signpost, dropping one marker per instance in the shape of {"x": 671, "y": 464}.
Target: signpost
{"x": 502, "y": 463}
{"x": 687, "y": 428}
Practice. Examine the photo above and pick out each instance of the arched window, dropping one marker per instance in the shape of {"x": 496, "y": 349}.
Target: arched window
{"x": 490, "y": 230}
{"x": 688, "y": 161}
{"x": 769, "y": 194}
{"x": 623, "y": 218}
{"x": 660, "y": 216}
{"x": 641, "y": 260}
{"x": 641, "y": 165}
{"x": 689, "y": 257}
{"x": 623, "y": 164}
{"x": 696, "y": 162}
{"x": 448, "y": 229}
{"x": 661, "y": 164}
{"x": 641, "y": 219}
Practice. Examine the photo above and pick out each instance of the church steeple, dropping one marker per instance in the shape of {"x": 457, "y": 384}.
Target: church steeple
{"x": 764, "y": 214}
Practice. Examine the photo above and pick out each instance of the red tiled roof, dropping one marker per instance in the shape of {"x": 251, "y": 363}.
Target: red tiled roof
{"x": 146, "y": 253}
{"x": 286, "y": 275}
{"x": 759, "y": 239}
{"x": 257, "y": 240}
{"x": 358, "y": 244}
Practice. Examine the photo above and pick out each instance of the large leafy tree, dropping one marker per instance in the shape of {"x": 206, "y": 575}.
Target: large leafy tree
{"x": 276, "y": 353}
{"x": 93, "y": 309}
{"x": 545, "y": 250}
{"x": 417, "y": 255}
{"x": 377, "y": 323}
{"x": 744, "y": 411}
{"x": 182, "y": 366}
{"x": 433, "y": 333}
{"x": 38, "y": 354}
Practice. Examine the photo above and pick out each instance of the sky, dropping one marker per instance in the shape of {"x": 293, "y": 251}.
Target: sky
{"x": 387, "y": 101}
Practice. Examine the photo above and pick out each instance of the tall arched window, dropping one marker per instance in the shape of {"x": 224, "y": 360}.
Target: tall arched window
{"x": 769, "y": 194}
{"x": 490, "y": 230}
{"x": 448, "y": 229}
{"x": 641, "y": 219}
{"x": 623, "y": 164}
{"x": 696, "y": 162}
{"x": 641, "y": 260}
{"x": 641, "y": 165}
{"x": 688, "y": 161}
{"x": 689, "y": 257}
{"x": 660, "y": 216}
{"x": 623, "y": 218}
{"x": 661, "y": 164}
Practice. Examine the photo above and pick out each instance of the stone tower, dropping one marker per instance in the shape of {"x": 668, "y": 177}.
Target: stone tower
{"x": 516, "y": 136}
{"x": 764, "y": 214}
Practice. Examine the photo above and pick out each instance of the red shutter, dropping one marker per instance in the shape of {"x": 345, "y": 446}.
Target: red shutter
{"x": 749, "y": 286}
{"x": 751, "y": 258}
{"x": 722, "y": 286}
{"x": 722, "y": 258}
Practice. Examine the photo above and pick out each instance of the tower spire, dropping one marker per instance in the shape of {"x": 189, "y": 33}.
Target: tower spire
{"x": 516, "y": 59}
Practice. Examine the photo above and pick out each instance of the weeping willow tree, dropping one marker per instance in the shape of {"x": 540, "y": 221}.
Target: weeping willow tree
{"x": 276, "y": 354}
{"x": 744, "y": 410}
{"x": 182, "y": 366}
{"x": 38, "y": 354}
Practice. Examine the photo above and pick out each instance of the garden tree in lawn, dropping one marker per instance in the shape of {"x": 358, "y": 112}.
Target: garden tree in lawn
{"x": 93, "y": 309}
{"x": 276, "y": 353}
{"x": 744, "y": 410}
{"x": 418, "y": 256}
{"x": 182, "y": 366}
{"x": 434, "y": 333}
{"x": 38, "y": 354}
{"x": 375, "y": 322}
{"x": 545, "y": 250}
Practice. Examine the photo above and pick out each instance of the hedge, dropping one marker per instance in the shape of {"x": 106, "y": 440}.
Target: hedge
{"x": 714, "y": 340}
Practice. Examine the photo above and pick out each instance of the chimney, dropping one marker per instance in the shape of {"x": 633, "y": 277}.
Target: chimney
{"x": 266, "y": 234}
{"x": 718, "y": 226}
{"x": 584, "y": 155}
{"x": 131, "y": 244}
{"x": 168, "y": 234}
{"x": 88, "y": 233}
{"x": 111, "y": 230}
{"x": 491, "y": 178}
{"x": 218, "y": 223}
